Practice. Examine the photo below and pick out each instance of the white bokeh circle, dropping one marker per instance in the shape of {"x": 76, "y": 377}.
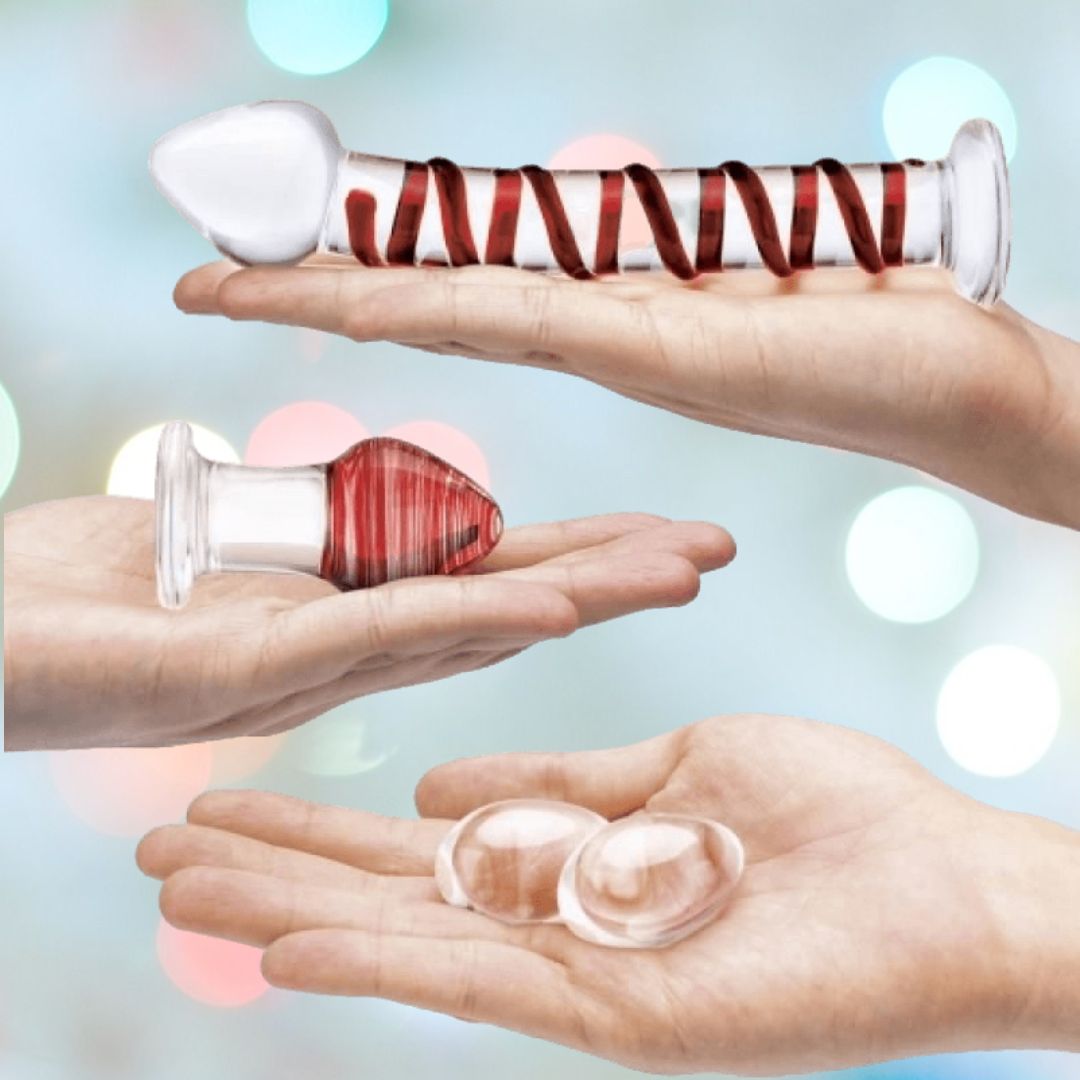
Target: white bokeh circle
{"x": 928, "y": 101}
{"x": 998, "y": 711}
{"x": 132, "y": 471}
{"x": 912, "y": 554}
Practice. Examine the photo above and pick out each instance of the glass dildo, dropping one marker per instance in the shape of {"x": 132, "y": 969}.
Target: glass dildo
{"x": 270, "y": 183}
{"x": 646, "y": 881}
{"x": 384, "y": 509}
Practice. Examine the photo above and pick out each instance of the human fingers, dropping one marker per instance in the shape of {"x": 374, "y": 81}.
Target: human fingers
{"x": 529, "y": 544}
{"x": 581, "y": 319}
{"x": 579, "y": 327}
{"x": 257, "y": 909}
{"x": 651, "y": 567}
{"x": 486, "y": 981}
{"x": 607, "y": 587}
{"x": 371, "y": 842}
{"x": 611, "y": 782}
{"x": 707, "y": 546}
{"x": 318, "y": 294}
{"x": 172, "y": 847}
{"x": 196, "y": 292}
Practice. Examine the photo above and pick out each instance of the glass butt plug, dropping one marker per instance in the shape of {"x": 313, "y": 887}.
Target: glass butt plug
{"x": 270, "y": 183}
{"x": 385, "y": 509}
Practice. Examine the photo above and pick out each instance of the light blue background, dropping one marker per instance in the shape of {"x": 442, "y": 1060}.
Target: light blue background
{"x": 92, "y": 350}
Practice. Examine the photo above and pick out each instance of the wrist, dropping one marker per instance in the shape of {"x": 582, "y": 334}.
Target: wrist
{"x": 1061, "y": 460}
{"x": 1029, "y": 875}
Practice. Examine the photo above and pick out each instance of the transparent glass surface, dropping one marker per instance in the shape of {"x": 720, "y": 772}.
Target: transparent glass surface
{"x": 649, "y": 880}
{"x": 505, "y": 859}
{"x": 271, "y": 183}
{"x": 979, "y": 232}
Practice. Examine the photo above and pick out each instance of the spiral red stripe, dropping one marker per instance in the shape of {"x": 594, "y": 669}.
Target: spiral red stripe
{"x": 853, "y": 210}
{"x": 759, "y": 213}
{"x": 665, "y": 231}
{"x": 401, "y": 247}
{"x": 454, "y": 208}
{"x": 893, "y": 212}
{"x": 804, "y": 214}
{"x": 561, "y": 237}
{"x": 612, "y": 186}
{"x": 451, "y": 192}
{"x": 505, "y": 208}
{"x": 710, "y": 240}
{"x": 360, "y": 216}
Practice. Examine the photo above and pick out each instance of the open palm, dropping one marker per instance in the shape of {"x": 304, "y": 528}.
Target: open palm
{"x": 90, "y": 659}
{"x": 866, "y": 925}
{"x": 898, "y": 365}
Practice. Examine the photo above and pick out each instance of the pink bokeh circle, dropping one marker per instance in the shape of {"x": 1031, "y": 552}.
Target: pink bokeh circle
{"x": 609, "y": 151}
{"x": 225, "y": 974}
{"x": 239, "y": 758}
{"x": 449, "y": 443}
{"x": 304, "y": 433}
{"x": 124, "y": 792}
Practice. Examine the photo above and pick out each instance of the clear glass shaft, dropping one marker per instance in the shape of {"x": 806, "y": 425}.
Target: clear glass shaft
{"x": 581, "y": 196}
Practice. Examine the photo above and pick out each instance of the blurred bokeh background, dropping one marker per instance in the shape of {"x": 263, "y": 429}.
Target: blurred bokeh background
{"x": 864, "y": 593}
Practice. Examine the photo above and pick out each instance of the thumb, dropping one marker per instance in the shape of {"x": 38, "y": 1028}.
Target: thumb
{"x": 611, "y": 782}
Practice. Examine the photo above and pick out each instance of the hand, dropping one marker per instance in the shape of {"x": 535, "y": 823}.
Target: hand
{"x": 91, "y": 660}
{"x": 881, "y": 914}
{"x": 899, "y": 367}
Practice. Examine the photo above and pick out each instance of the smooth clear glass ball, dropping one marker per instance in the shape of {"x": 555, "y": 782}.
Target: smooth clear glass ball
{"x": 504, "y": 859}
{"x": 649, "y": 880}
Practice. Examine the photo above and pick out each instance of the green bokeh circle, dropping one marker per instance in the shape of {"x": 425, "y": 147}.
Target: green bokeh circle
{"x": 9, "y": 440}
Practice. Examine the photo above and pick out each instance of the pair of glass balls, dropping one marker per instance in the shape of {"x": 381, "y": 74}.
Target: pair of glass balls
{"x": 641, "y": 882}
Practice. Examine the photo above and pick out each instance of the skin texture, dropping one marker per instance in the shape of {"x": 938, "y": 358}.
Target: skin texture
{"x": 897, "y": 366}
{"x": 881, "y": 914}
{"x": 90, "y": 659}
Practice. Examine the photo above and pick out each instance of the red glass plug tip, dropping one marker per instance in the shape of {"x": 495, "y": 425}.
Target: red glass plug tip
{"x": 396, "y": 510}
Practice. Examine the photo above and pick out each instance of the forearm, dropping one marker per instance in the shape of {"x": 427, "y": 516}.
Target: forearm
{"x": 1031, "y": 878}
{"x": 1063, "y": 426}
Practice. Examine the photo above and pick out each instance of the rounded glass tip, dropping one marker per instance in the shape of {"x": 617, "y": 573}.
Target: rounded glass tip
{"x": 978, "y": 222}
{"x": 176, "y": 487}
{"x": 255, "y": 180}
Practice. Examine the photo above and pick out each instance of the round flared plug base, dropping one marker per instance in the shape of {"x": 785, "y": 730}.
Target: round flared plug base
{"x": 979, "y": 229}
{"x": 176, "y": 491}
